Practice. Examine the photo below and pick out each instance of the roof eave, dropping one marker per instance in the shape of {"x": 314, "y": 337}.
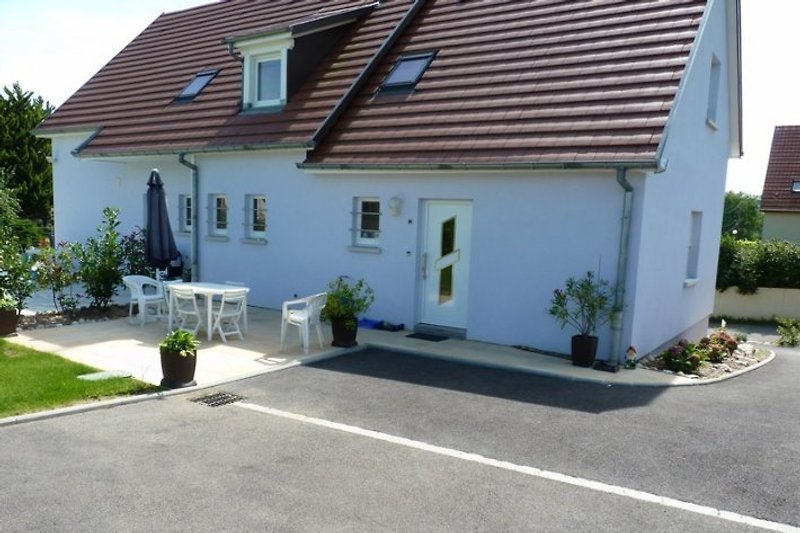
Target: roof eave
{"x": 644, "y": 164}
{"x": 300, "y": 145}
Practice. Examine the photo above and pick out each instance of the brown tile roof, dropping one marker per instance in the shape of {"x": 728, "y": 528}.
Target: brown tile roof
{"x": 131, "y": 98}
{"x": 782, "y": 169}
{"x": 532, "y": 81}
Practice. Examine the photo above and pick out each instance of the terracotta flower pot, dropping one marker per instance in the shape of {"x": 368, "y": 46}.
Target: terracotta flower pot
{"x": 178, "y": 370}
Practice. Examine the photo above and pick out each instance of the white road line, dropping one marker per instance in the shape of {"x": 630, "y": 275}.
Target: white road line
{"x": 531, "y": 471}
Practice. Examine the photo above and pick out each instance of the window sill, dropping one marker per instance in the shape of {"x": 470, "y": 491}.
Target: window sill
{"x": 253, "y": 240}
{"x": 217, "y": 238}
{"x": 365, "y": 249}
{"x": 183, "y": 233}
{"x": 690, "y": 282}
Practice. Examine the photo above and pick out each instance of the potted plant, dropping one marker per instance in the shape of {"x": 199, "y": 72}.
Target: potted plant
{"x": 8, "y": 315}
{"x": 346, "y": 300}
{"x": 585, "y": 304}
{"x": 178, "y": 359}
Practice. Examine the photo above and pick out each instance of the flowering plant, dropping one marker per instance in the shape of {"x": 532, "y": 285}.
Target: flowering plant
{"x": 584, "y": 304}
{"x": 347, "y": 299}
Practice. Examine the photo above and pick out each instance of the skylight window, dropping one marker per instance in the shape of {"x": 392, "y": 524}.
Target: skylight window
{"x": 194, "y": 87}
{"x": 407, "y": 71}
{"x": 795, "y": 185}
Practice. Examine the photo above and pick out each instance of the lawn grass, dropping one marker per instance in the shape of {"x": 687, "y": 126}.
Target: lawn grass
{"x": 34, "y": 381}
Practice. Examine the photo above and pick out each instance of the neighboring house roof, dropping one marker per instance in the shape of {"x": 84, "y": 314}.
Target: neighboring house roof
{"x": 130, "y": 100}
{"x": 525, "y": 82}
{"x": 512, "y": 82}
{"x": 782, "y": 170}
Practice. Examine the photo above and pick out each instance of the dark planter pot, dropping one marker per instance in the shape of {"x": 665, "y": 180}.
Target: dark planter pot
{"x": 178, "y": 371}
{"x": 8, "y": 321}
{"x": 584, "y": 348}
{"x": 344, "y": 334}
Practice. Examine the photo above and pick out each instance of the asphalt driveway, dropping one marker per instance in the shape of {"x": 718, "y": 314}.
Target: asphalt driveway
{"x": 299, "y": 458}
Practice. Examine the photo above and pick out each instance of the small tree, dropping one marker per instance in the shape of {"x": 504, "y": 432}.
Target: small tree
{"x": 101, "y": 260}
{"x": 742, "y": 217}
{"x": 584, "y": 304}
{"x": 58, "y": 271}
{"x": 16, "y": 270}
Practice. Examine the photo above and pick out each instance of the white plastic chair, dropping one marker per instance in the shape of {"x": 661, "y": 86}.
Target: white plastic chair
{"x": 146, "y": 293}
{"x": 169, "y": 296}
{"x": 303, "y": 313}
{"x": 240, "y": 284}
{"x": 185, "y": 310}
{"x": 229, "y": 314}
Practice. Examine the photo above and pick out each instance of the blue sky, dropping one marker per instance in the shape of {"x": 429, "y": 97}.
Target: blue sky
{"x": 51, "y": 47}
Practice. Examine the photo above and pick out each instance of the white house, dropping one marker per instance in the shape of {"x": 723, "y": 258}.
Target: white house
{"x": 465, "y": 158}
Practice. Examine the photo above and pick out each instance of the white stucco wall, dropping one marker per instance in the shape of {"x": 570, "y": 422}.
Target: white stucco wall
{"x": 661, "y": 303}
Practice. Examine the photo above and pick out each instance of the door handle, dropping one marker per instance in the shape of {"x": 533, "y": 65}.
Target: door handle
{"x": 424, "y": 266}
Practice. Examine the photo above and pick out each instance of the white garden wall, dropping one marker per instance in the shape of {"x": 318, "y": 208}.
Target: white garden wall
{"x": 765, "y": 304}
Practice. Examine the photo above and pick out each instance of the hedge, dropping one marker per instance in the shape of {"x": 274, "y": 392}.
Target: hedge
{"x": 748, "y": 265}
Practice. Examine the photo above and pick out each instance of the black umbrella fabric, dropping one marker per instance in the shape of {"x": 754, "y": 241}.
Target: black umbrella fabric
{"x": 160, "y": 244}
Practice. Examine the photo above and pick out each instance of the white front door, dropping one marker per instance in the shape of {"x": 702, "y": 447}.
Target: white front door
{"x": 445, "y": 262}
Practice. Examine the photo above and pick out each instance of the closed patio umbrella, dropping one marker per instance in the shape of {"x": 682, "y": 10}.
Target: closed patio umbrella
{"x": 160, "y": 244}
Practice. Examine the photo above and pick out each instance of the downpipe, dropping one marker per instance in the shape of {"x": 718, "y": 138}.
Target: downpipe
{"x": 195, "y": 236}
{"x": 617, "y": 356}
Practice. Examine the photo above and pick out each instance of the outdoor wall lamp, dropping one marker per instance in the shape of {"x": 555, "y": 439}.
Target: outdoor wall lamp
{"x": 395, "y": 205}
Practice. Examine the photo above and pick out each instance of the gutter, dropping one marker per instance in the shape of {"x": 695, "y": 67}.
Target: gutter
{"x": 649, "y": 164}
{"x": 195, "y": 236}
{"x": 204, "y": 150}
{"x": 366, "y": 72}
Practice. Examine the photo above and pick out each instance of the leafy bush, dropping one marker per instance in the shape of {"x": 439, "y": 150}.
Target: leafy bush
{"x": 347, "y": 299}
{"x": 16, "y": 271}
{"x": 133, "y": 256}
{"x": 584, "y": 304}
{"x": 682, "y": 357}
{"x": 58, "y": 271}
{"x": 748, "y": 265}
{"x": 717, "y": 347}
{"x": 789, "y": 330}
{"x": 101, "y": 259}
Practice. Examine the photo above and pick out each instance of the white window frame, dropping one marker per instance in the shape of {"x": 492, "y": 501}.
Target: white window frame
{"x": 216, "y": 228}
{"x": 365, "y": 237}
{"x": 185, "y": 213}
{"x": 713, "y": 91}
{"x": 254, "y": 51}
{"x": 693, "y": 252}
{"x": 250, "y": 210}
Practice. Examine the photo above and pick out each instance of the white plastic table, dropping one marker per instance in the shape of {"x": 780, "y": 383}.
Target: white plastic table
{"x": 208, "y": 291}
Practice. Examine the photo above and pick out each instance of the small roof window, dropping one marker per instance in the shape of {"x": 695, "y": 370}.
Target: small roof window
{"x": 796, "y": 185}
{"x": 407, "y": 71}
{"x": 194, "y": 87}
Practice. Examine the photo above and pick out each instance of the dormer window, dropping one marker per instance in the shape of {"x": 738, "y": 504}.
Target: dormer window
{"x": 407, "y": 72}
{"x": 194, "y": 87}
{"x": 265, "y": 61}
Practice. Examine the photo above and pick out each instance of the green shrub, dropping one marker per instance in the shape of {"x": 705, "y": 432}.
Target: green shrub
{"x": 789, "y": 330}
{"x": 748, "y": 265}
{"x": 16, "y": 270}
{"x": 101, "y": 260}
{"x": 682, "y": 357}
{"x": 58, "y": 271}
{"x": 133, "y": 256}
{"x": 717, "y": 347}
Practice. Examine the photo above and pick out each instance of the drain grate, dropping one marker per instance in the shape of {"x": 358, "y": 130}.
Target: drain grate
{"x": 216, "y": 399}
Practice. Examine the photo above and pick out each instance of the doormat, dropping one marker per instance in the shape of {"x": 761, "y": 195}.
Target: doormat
{"x": 426, "y": 337}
